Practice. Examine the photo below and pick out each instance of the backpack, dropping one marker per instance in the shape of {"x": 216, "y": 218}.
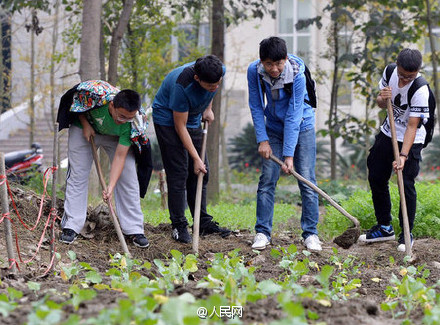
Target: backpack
{"x": 417, "y": 83}
{"x": 310, "y": 85}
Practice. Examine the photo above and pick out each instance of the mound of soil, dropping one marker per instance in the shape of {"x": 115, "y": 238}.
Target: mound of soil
{"x": 99, "y": 239}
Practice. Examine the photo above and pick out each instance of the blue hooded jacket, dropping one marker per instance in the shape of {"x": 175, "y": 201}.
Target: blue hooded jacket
{"x": 286, "y": 116}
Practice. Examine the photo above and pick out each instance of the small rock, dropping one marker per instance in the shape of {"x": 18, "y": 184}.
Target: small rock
{"x": 210, "y": 256}
{"x": 257, "y": 260}
{"x": 24, "y": 299}
{"x": 436, "y": 264}
{"x": 308, "y": 279}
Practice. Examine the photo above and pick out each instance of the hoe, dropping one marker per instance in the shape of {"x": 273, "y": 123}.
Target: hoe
{"x": 351, "y": 235}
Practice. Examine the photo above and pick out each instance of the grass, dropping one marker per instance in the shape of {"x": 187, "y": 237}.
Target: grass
{"x": 237, "y": 210}
{"x": 226, "y": 213}
{"x": 360, "y": 205}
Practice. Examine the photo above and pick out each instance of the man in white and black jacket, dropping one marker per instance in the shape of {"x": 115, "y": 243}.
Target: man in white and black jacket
{"x": 410, "y": 137}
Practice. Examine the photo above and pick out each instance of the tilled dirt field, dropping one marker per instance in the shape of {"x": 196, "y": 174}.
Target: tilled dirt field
{"x": 100, "y": 240}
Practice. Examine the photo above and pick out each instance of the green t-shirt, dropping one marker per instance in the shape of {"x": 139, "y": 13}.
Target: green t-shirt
{"x": 103, "y": 123}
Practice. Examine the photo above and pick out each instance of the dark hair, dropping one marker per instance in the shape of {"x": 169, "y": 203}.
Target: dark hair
{"x": 273, "y": 48}
{"x": 209, "y": 68}
{"x": 409, "y": 60}
{"x": 127, "y": 99}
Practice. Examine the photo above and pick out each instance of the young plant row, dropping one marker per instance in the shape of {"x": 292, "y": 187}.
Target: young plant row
{"x": 145, "y": 293}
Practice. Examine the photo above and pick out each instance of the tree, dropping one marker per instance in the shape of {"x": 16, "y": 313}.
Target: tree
{"x": 430, "y": 21}
{"x": 218, "y": 49}
{"x": 117, "y": 35}
{"x": 34, "y": 28}
{"x": 52, "y": 61}
{"x": 148, "y": 52}
{"x": 18, "y": 5}
{"x": 384, "y": 31}
{"x": 221, "y": 16}
{"x": 89, "y": 67}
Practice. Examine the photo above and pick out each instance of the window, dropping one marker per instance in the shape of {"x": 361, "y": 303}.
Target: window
{"x": 344, "y": 91}
{"x": 187, "y": 40}
{"x": 289, "y": 13}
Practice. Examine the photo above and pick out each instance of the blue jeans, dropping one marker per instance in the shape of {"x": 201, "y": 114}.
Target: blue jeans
{"x": 304, "y": 161}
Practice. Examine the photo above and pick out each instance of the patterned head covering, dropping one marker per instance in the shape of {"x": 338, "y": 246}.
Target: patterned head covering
{"x": 92, "y": 93}
{"x": 95, "y": 93}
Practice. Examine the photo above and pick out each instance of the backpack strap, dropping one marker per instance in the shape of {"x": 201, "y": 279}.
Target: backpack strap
{"x": 263, "y": 86}
{"x": 311, "y": 88}
{"x": 417, "y": 83}
{"x": 389, "y": 71}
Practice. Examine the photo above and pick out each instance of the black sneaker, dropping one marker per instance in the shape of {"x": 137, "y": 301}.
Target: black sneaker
{"x": 212, "y": 227}
{"x": 140, "y": 240}
{"x": 401, "y": 247}
{"x": 68, "y": 236}
{"x": 378, "y": 233}
{"x": 181, "y": 234}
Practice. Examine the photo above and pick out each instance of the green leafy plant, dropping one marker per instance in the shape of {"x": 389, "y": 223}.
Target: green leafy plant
{"x": 410, "y": 291}
{"x": 229, "y": 275}
{"x": 289, "y": 262}
{"x": 45, "y": 311}
{"x": 177, "y": 270}
{"x": 7, "y": 301}
{"x": 79, "y": 295}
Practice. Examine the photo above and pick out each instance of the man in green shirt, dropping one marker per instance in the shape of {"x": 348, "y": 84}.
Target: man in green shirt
{"x": 110, "y": 126}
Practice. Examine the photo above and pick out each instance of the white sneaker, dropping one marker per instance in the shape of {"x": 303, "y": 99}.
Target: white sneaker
{"x": 401, "y": 247}
{"x": 313, "y": 243}
{"x": 260, "y": 241}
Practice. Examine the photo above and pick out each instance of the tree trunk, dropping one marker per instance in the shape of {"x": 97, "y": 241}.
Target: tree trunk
{"x": 103, "y": 75}
{"x": 90, "y": 67}
{"x": 32, "y": 88}
{"x": 333, "y": 104}
{"x": 217, "y": 48}
{"x": 91, "y": 31}
{"x": 117, "y": 35}
{"x": 429, "y": 22}
{"x": 53, "y": 109}
{"x": 132, "y": 47}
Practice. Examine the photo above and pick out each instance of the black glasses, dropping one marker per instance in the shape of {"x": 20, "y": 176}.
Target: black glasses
{"x": 123, "y": 118}
{"x": 406, "y": 78}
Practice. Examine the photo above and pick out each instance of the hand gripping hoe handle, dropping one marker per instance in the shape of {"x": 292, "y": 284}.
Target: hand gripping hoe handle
{"x": 104, "y": 187}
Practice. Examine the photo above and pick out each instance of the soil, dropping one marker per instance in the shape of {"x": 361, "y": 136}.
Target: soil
{"x": 100, "y": 240}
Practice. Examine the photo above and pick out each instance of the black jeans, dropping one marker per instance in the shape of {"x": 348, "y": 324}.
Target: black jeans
{"x": 179, "y": 169}
{"x": 380, "y": 168}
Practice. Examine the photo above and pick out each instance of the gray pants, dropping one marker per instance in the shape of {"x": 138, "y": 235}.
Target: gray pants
{"x": 126, "y": 192}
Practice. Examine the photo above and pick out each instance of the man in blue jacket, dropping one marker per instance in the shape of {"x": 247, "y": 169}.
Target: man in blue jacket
{"x": 183, "y": 100}
{"x": 284, "y": 127}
